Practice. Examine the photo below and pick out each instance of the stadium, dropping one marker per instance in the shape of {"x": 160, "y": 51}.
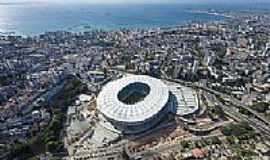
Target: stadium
{"x": 134, "y": 104}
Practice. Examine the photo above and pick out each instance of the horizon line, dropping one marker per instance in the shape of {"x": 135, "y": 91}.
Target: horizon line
{"x": 134, "y": 3}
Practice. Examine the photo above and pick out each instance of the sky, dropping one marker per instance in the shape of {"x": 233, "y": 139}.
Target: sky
{"x": 132, "y": 1}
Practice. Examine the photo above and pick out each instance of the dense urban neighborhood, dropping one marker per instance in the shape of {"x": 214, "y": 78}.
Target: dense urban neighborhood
{"x": 55, "y": 87}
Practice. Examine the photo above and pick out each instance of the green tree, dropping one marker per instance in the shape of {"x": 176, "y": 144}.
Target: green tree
{"x": 261, "y": 107}
{"x": 237, "y": 129}
{"x": 185, "y": 144}
{"x": 52, "y": 146}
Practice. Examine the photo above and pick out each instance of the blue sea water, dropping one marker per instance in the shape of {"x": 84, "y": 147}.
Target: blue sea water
{"x": 33, "y": 19}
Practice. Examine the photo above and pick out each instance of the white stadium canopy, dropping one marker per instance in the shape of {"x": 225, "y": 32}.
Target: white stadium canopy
{"x": 156, "y": 99}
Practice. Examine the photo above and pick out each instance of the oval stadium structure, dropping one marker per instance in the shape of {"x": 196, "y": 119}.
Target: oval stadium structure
{"x": 134, "y": 104}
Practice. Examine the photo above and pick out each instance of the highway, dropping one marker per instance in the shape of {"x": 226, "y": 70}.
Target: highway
{"x": 259, "y": 123}
{"x": 234, "y": 101}
{"x": 233, "y": 112}
{"x": 237, "y": 103}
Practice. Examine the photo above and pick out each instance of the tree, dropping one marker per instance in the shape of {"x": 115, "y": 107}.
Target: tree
{"x": 230, "y": 139}
{"x": 185, "y": 144}
{"x": 215, "y": 140}
{"x": 20, "y": 149}
{"x": 245, "y": 111}
{"x": 52, "y": 146}
{"x": 237, "y": 129}
{"x": 261, "y": 107}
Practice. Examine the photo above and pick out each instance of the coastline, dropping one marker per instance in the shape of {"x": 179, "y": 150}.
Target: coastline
{"x": 215, "y": 13}
{"x": 86, "y": 28}
{"x": 85, "y": 18}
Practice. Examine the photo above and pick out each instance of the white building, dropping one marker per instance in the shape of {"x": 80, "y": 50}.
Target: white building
{"x": 134, "y": 104}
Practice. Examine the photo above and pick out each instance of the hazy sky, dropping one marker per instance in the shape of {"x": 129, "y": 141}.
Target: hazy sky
{"x": 132, "y": 1}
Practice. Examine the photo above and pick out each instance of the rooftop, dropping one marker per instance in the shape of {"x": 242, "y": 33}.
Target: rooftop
{"x": 133, "y": 98}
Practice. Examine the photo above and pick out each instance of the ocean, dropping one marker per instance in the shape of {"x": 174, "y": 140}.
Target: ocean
{"x": 33, "y": 19}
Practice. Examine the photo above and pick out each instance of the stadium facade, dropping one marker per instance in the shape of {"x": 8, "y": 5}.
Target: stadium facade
{"x": 134, "y": 104}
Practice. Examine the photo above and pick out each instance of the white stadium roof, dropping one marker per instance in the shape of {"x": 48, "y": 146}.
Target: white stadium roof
{"x": 109, "y": 104}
